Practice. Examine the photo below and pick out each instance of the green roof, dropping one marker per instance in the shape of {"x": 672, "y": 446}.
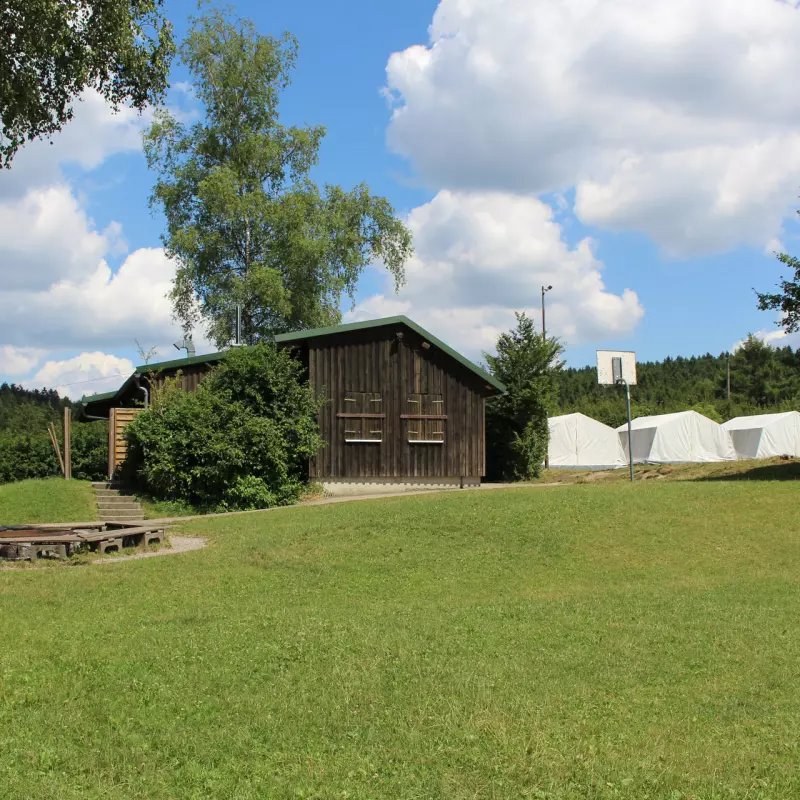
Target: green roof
{"x": 314, "y": 333}
{"x": 96, "y": 398}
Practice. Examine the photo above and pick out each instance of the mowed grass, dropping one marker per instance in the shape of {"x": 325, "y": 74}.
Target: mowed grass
{"x": 576, "y": 642}
{"x": 47, "y": 500}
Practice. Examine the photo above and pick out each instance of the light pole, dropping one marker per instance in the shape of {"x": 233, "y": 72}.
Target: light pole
{"x": 545, "y": 290}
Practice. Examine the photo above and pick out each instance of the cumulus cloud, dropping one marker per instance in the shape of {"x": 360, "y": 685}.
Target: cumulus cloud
{"x": 59, "y": 293}
{"x": 480, "y": 256}
{"x": 777, "y": 337}
{"x": 674, "y": 118}
{"x": 84, "y": 374}
{"x": 18, "y": 360}
{"x": 94, "y": 134}
{"x": 46, "y": 235}
{"x": 100, "y": 309}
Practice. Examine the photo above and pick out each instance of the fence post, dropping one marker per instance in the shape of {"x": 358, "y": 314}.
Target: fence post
{"x": 112, "y": 426}
{"x": 67, "y": 443}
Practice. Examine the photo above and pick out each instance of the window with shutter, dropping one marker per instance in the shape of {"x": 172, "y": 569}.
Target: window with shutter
{"x": 363, "y": 417}
{"x": 425, "y": 418}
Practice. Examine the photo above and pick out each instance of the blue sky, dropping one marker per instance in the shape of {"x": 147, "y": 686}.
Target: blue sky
{"x": 602, "y": 151}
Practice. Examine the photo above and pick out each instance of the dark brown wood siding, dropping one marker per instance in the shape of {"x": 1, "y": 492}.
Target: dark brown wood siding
{"x": 415, "y": 384}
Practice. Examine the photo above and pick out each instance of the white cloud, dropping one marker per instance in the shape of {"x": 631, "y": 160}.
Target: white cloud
{"x": 100, "y": 309}
{"x": 18, "y": 360}
{"x": 670, "y": 117}
{"x": 46, "y": 235}
{"x": 777, "y": 337}
{"x": 481, "y": 256}
{"x": 774, "y": 246}
{"x": 93, "y": 135}
{"x": 87, "y": 373}
{"x": 59, "y": 294}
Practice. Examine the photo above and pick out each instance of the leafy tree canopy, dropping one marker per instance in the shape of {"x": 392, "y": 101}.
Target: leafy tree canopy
{"x": 517, "y": 432}
{"x": 51, "y": 50}
{"x": 787, "y": 299}
{"x": 245, "y": 222}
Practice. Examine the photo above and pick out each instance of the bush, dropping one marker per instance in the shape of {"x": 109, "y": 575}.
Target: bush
{"x": 31, "y": 455}
{"x": 89, "y": 451}
{"x": 242, "y": 440}
{"x": 517, "y": 433}
{"x": 26, "y": 455}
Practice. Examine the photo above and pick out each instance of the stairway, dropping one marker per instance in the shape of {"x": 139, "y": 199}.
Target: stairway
{"x": 116, "y": 504}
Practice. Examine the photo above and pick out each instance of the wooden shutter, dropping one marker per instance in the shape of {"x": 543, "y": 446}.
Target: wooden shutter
{"x": 433, "y": 405}
{"x": 362, "y": 416}
{"x": 353, "y": 426}
{"x": 372, "y": 427}
{"x": 416, "y": 427}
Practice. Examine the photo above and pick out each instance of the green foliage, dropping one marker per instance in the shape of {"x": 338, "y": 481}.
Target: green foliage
{"x": 30, "y": 454}
{"x": 26, "y": 455}
{"x": 25, "y": 447}
{"x": 763, "y": 379}
{"x": 787, "y": 299}
{"x": 90, "y": 450}
{"x": 245, "y": 222}
{"x": 516, "y": 423}
{"x": 242, "y": 440}
{"x": 29, "y": 410}
{"x": 51, "y": 50}
{"x": 708, "y": 410}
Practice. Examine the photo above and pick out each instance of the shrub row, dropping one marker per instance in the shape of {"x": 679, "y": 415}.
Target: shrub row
{"x": 31, "y": 455}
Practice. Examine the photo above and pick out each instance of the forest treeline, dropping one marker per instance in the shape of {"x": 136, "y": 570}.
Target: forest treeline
{"x": 25, "y": 447}
{"x": 763, "y": 379}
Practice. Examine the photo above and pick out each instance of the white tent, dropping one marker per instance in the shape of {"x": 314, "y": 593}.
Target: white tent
{"x": 766, "y": 435}
{"x": 685, "y": 437}
{"x": 580, "y": 441}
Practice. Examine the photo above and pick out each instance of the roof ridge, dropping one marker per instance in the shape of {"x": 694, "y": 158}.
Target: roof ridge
{"x": 311, "y": 333}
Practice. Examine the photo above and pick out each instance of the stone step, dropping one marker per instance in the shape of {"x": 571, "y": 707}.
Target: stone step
{"x": 116, "y": 503}
{"x": 119, "y": 500}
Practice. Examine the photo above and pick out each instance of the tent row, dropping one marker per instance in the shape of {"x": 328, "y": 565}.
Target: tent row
{"x": 579, "y": 441}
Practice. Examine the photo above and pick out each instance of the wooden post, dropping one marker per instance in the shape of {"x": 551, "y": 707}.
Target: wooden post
{"x": 51, "y": 429}
{"x": 67, "y": 443}
{"x": 111, "y": 443}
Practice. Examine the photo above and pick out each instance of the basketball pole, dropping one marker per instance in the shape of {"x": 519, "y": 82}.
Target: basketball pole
{"x": 630, "y": 426}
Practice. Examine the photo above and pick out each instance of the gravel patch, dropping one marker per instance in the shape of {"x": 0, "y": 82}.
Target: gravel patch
{"x": 180, "y": 544}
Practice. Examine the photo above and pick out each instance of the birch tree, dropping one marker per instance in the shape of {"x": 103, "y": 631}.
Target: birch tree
{"x": 246, "y": 224}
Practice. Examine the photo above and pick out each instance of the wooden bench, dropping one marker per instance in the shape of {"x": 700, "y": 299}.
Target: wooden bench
{"x": 60, "y": 543}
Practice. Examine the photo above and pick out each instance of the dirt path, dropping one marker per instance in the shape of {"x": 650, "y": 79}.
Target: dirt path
{"x": 180, "y": 544}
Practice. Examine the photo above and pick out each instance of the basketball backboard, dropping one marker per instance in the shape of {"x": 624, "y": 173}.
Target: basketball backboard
{"x": 614, "y": 366}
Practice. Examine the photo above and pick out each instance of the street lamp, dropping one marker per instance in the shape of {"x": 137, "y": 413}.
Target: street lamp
{"x": 545, "y": 290}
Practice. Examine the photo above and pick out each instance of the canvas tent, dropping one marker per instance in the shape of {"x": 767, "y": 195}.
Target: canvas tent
{"x": 582, "y": 442}
{"x": 766, "y": 435}
{"x": 684, "y": 437}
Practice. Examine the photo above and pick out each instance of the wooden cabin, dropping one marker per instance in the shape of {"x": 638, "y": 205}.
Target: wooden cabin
{"x": 402, "y": 408}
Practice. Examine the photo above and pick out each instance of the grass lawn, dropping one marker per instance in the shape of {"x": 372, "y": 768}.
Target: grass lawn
{"x": 47, "y": 500}
{"x": 590, "y": 641}
{"x": 764, "y": 469}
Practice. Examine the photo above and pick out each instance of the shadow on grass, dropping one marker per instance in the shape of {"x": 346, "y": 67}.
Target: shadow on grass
{"x": 781, "y": 471}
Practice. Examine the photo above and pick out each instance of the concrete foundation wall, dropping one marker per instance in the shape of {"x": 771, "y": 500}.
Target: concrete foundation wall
{"x": 344, "y": 487}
